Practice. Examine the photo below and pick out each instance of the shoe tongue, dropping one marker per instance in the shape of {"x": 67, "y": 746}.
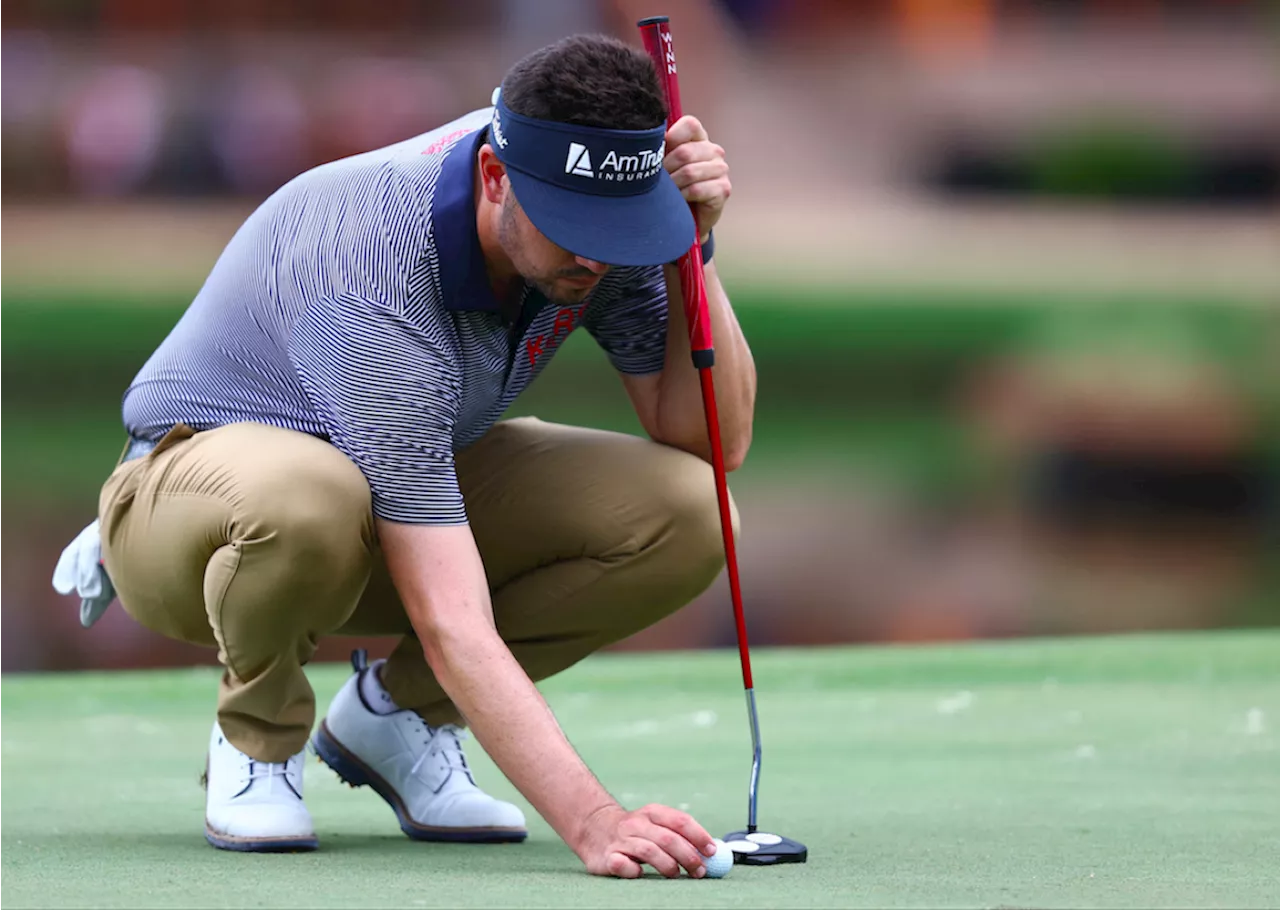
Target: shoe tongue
{"x": 290, "y": 770}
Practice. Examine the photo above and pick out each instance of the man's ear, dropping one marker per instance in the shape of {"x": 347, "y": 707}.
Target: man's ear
{"x": 492, "y": 175}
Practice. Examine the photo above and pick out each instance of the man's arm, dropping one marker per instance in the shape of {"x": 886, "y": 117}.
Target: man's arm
{"x": 669, "y": 404}
{"x": 389, "y": 392}
{"x": 441, "y": 580}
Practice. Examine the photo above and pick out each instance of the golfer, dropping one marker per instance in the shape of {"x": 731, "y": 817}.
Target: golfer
{"x": 316, "y": 449}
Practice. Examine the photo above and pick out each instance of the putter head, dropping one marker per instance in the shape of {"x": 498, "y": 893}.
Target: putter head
{"x": 759, "y": 848}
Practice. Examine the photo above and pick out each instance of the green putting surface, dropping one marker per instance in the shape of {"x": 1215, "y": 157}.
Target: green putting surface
{"x": 1137, "y": 771}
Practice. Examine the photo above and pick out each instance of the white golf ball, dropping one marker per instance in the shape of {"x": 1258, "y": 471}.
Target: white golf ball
{"x": 721, "y": 864}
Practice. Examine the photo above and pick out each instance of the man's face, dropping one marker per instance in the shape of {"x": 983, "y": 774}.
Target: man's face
{"x": 560, "y": 276}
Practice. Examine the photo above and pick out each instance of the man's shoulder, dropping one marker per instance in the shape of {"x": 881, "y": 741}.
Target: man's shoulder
{"x": 426, "y": 152}
{"x": 413, "y": 162}
{"x": 443, "y": 139}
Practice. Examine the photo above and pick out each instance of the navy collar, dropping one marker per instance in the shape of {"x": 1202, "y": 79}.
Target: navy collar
{"x": 464, "y": 282}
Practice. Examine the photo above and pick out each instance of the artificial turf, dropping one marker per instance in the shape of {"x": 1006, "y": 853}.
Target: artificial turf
{"x": 1137, "y": 771}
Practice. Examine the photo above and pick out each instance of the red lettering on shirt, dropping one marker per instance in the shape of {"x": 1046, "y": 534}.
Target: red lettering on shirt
{"x": 564, "y": 323}
{"x": 566, "y": 319}
{"x": 443, "y": 141}
{"x": 533, "y": 347}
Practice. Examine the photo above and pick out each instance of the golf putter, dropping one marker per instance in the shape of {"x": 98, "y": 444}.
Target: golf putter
{"x": 750, "y": 846}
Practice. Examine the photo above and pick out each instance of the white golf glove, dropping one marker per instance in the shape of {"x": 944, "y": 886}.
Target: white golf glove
{"x": 80, "y": 569}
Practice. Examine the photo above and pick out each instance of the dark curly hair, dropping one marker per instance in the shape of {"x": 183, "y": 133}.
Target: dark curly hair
{"x": 587, "y": 80}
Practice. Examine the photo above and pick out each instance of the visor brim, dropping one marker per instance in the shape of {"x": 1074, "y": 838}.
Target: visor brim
{"x": 651, "y": 228}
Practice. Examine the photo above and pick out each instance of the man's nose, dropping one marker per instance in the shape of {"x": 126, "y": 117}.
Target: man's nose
{"x": 596, "y": 268}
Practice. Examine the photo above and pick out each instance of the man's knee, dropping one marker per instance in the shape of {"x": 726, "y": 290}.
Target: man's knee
{"x": 681, "y": 544}
{"x": 683, "y": 490}
{"x": 248, "y": 529}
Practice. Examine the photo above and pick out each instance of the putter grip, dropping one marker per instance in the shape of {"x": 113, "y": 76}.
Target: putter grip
{"x": 655, "y": 32}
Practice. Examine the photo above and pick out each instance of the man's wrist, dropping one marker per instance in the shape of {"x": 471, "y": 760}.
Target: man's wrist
{"x": 582, "y": 838}
{"x": 708, "y": 249}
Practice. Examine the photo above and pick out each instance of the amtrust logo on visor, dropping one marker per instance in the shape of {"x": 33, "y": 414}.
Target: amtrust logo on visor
{"x": 614, "y": 167}
{"x": 581, "y": 159}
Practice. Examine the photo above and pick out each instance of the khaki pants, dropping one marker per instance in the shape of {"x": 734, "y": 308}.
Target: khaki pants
{"x": 258, "y": 541}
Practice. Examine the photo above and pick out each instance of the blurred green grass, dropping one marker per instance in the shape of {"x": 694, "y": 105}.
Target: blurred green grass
{"x": 808, "y": 320}
{"x": 857, "y": 380}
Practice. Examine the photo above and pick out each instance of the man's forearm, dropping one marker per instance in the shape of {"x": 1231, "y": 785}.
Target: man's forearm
{"x": 512, "y": 721}
{"x": 681, "y": 418}
{"x": 442, "y": 584}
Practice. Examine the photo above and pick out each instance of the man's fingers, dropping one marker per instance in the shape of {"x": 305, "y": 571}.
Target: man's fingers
{"x": 689, "y": 153}
{"x": 684, "y": 824}
{"x": 666, "y": 839}
{"x": 645, "y": 850}
{"x": 687, "y": 129}
{"x": 622, "y": 866}
{"x": 708, "y": 191}
{"x": 699, "y": 172}
{"x": 674, "y": 843}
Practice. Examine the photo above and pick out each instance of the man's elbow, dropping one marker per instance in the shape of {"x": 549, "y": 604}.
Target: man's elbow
{"x": 733, "y": 446}
{"x": 442, "y": 634}
{"x": 735, "y": 443}
{"x": 736, "y": 448}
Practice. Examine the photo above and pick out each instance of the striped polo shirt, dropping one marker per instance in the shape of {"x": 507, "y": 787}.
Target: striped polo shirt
{"x": 354, "y": 305}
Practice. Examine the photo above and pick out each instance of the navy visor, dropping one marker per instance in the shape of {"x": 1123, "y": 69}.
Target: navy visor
{"x": 600, "y": 194}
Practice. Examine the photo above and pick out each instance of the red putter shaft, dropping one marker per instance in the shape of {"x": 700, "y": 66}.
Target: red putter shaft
{"x": 656, "y": 35}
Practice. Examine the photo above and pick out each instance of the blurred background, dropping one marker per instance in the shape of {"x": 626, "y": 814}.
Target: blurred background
{"x": 1010, "y": 270}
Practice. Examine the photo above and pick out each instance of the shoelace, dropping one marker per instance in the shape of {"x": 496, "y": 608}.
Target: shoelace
{"x": 445, "y": 739}
{"x": 268, "y": 771}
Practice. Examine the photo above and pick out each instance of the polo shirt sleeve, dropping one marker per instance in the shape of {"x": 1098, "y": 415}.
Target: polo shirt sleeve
{"x": 389, "y": 393}
{"x": 628, "y": 319}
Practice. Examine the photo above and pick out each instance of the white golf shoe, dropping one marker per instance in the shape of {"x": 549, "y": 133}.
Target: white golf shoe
{"x": 418, "y": 769}
{"x": 254, "y": 806}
